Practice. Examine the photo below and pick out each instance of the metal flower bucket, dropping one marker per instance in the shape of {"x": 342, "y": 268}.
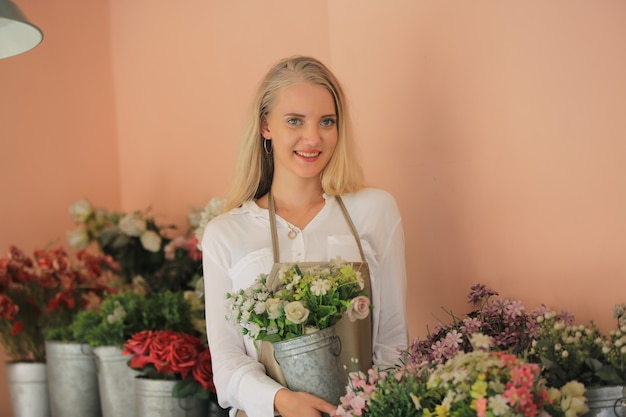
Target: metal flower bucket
{"x": 311, "y": 363}
{"x": 609, "y": 401}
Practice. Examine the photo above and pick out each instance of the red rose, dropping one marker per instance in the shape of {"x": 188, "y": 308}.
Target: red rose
{"x": 203, "y": 371}
{"x": 139, "y": 344}
{"x": 160, "y": 347}
{"x": 182, "y": 354}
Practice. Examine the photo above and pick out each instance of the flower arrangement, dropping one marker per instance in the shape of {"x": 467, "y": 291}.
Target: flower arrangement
{"x": 134, "y": 239}
{"x": 506, "y": 321}
{"x": 45, "y": 292}
{"x": 480, "y": 383}
{"x": 172, "y": 355}
{"x": 307, "y": 299}
{"x": 567, "y": 350}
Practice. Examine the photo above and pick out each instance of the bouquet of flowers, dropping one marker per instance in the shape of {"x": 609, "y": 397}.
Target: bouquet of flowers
{"x": 134, "y": 239}
{"x": 307, "y": 299}
{"x": 477, "y": 383}
{"x": 171, "y": 355}
{"x": 506, "y": 321}
{"x": 567, "y": 350}
{"x": 44, "y": 292}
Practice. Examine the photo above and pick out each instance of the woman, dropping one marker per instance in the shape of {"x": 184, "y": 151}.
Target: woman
{"x": 297, "y": 152}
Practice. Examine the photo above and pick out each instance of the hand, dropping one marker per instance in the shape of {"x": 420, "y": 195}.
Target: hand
{"x": 301, "y": 404}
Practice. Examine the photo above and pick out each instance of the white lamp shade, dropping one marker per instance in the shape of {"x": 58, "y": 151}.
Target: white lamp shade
{"x": 17, "y": 34}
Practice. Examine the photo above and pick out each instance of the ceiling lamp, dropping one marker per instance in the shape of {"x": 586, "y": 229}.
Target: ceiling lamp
{"x": 17, "y": 34}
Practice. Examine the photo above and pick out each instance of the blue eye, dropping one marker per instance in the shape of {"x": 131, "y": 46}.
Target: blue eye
{"x": 293, "y": 121}
{"x": 328, "y": 122}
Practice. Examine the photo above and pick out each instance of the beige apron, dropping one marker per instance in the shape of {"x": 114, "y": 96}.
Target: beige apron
{"x": 356, "y": 337}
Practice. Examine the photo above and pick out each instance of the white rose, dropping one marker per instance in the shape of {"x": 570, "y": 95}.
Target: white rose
{"x": 150, "y": 240}
{"x": 132, "y": 224}
{"x": 80, "y": 210}
{"x": 78, "y": 238}
{"x": 296, "y": 313}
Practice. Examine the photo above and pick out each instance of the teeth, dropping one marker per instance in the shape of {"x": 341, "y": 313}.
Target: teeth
{"x": 307, "y": 154}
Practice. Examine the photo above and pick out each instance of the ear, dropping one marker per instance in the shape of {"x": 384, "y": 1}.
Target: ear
{"x": 265, "y": 131}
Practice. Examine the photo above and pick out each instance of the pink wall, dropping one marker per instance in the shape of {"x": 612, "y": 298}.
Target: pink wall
{"x": 498, "y": 126}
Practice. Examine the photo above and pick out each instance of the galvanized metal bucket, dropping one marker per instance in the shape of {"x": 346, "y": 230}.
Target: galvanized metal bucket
{"x": 115, "y": 381}
{"x": 153, "y": 398}
{"x": 607, "y": 401}
{"x": 28, "y": 386}
{"x": 72, "y": 380}
{"x": 311, "y": 363}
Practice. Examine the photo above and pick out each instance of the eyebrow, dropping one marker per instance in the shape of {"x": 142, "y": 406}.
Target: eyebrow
{"x": 303, "y": 116}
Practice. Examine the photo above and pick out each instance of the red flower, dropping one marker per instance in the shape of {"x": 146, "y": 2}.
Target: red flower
{"x": 139, "y": 344}
{"x": 17, "y": 328}
{"x": 182, "y": 353}
{"x": 203, "y": 371}
{"x": 173, "y": 353}
{"x": 8, "y": 310}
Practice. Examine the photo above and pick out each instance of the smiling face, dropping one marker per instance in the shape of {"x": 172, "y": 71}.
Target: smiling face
{"x": 303, "y": 128}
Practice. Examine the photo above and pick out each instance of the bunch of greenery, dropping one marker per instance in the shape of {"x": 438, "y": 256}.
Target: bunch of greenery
{"x": 124, "y": 314}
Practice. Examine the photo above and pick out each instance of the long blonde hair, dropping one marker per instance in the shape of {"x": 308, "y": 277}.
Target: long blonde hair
{"x": 255, "y": 168}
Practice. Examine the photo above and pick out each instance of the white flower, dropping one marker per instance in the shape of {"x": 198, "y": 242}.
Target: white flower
{"x": 498, "y": 404}
{"x": 132, "y": 224}
{"x": 81, "y": 210}
{"x": 78, "y": 238}
{"x": 273, "y": 307}
{"x": 480, "y": 341}
{"x": 320, "y": 286}
{"x": 259, "y": 307}
{"x": 118, "y": 314}
{"x": 150, "y": 240}
{"x": 214, "y": 208}
{"x": 295, "y": 312}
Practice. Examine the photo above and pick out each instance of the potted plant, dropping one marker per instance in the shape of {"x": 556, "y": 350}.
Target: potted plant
{"x": 476, "y": 382}
{"x": 41, "y": 293}
{"x": 176, "y": 376}
{"x": 120, "y": 316}
{"x": 301, "y": 309}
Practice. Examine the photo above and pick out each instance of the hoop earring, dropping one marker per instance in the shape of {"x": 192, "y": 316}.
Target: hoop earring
{"x": 267, "y": 146}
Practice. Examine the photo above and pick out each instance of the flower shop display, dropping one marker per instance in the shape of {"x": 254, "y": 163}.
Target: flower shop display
{"x": 479, "y": 382}
{"x": 106, "y": 331}
{"x": 178, "y": 362}
{"x": 298, "y": 315}
{"x": 479, "y": 364}
{"x": 44, "y": 292}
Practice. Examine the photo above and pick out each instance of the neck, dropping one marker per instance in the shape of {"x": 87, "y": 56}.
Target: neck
{"x": 298, "y": 208}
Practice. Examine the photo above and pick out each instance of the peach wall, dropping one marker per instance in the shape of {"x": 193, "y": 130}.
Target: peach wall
{"x": 498, "y": 126}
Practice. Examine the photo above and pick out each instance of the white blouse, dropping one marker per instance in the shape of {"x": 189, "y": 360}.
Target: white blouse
{"x": 237, "y": 247}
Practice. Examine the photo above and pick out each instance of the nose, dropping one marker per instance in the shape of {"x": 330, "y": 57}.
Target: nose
{"x": 312, "y": 135}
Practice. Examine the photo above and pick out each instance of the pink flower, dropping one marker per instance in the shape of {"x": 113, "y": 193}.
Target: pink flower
{"x": 359, "y": 308}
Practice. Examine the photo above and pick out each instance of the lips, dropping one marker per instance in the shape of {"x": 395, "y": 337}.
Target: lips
{"x": 307, "y": 154}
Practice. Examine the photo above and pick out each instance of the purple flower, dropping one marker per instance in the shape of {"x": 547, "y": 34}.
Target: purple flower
{"x": 478, "y": 293}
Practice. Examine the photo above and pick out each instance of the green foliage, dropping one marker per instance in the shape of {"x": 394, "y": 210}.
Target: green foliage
{"x": 398, "y": 395}
{"x": 127, "y": 313}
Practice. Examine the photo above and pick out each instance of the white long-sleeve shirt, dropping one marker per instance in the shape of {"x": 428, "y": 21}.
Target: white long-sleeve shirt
{"x": 237, "y": 247}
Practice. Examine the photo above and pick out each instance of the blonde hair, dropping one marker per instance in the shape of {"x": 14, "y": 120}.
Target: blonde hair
{"x": 255, "y": 168}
